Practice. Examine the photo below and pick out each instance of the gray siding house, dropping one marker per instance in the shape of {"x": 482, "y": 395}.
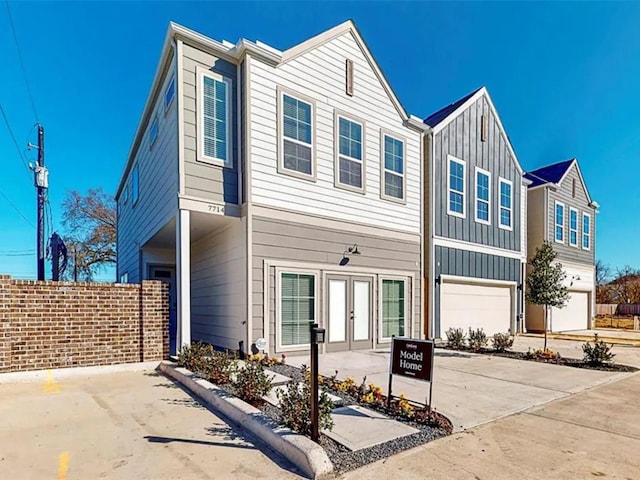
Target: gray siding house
{"x": 475, "y": 221}
{"x": 560, "y": 211}
{"x": 272, "y": 188}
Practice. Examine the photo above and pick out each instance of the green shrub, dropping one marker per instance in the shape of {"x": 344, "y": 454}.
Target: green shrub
{"x": 502, "y": 342}
{"x": 252, "y": 382}
{"x": 477, "y": 339}
{"x": 597, "y": 353}
{"x": 222, "y": 366}
{"x": 455, "y": 338}
{"x": 295, "y": 406}
{"x": 195, "y": 357}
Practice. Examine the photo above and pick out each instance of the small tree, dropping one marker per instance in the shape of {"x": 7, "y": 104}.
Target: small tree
{"x": 545, "y": 283}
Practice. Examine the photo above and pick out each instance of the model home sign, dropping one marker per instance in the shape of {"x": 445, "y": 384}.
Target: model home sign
{"x": 412, "y": 358}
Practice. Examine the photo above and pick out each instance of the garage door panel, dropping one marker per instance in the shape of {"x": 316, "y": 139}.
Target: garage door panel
{"x": 575, "y": 314}
{"x": 466, "y": 305}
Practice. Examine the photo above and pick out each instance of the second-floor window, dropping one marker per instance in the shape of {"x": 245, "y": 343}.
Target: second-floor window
{"x": 349, "y": 163}
{"x": 214, "y": 124}
{"x": 573, "y": 227}
{"x": 586, "y": 231}
{"x": 559, "y": 231}
{"x": 456, "y": 182}
{"x": 297, "y": 136}
{"x": 506, "y": 204}
{"x": 483, "y": 194}
{"x": 393, "y": 167}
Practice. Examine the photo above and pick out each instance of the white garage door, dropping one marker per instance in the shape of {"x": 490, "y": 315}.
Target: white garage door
{"x": 465, "y": 305}
{"x": 574, "y": 316}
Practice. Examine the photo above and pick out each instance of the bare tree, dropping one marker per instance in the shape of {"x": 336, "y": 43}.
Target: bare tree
{"x": 603, "y": 273}
{"x": 625, "y": 288}
{"x": 90, "y": 232}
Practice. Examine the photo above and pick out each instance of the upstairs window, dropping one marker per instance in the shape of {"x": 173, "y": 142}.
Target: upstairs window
{"x": 586, "y": 231}
{"x": 169, "y": 94}
{"x": 153, "y": 131}
{"x": 573, "y": 227}
{"x": 135, "y": 185}
{"x": 559, "y": 233}
{"x": 349, "y": 165}
{"x": 456, "y": 190}
{"x": 483, "y": 195}
{"x": 297, "y": 136}
{"x": 214, "y": 126}
{"x": 393, "y": 168}
{"x": 506, "y": 204}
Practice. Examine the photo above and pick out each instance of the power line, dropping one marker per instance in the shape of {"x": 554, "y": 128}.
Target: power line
{"x": 17, "y": 254}
{"x": 17, "y": 209}
{"x": 20, "y": 58}
{"x": 15, "y": 142}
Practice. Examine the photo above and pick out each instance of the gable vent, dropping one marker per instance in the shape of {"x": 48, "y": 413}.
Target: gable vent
{"x": 349, "y": 77}
{"x": 483, "y": 128}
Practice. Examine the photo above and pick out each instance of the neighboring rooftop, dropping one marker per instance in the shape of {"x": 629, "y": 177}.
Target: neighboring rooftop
{"x": 549, "y": 174}
{"x": 435, "y": 118}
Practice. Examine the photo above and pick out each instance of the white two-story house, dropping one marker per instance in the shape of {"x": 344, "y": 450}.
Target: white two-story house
{"x": 275, "y": 188}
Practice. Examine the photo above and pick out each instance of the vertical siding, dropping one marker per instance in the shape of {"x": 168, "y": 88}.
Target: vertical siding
{"x": 320, "y": 74}
{"x": 461, "y": 139}
{"x": 564, "y": 194}
{"x": 210, "y": 182}
{"x": 287, "y": 241}
{"x": 218, "y": 287}
{"x": 158, "y": 181}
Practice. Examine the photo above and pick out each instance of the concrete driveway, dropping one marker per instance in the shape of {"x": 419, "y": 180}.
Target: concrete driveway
{"x": 129, "y": 425}
{"x": 469, "y": 389}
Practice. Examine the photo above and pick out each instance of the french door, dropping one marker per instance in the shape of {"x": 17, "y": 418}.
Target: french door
{"x": 349, "y": 312}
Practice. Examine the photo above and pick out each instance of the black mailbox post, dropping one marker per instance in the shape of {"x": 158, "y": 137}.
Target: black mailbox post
{"x": 317, "y": 337}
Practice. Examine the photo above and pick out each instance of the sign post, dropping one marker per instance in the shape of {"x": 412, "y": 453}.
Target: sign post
{"x": 414, "y": 359}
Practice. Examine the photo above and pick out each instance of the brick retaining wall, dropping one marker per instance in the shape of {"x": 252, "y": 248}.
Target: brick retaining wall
{"x": 59, "y": 324}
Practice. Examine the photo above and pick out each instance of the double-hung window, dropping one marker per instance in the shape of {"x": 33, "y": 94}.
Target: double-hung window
{"x": 393, "y": 168}
{"x": 586, "y": 231}
{"x": 573, "y": 227}
{"x": 214, "y": 123}
{"x": 349, "y": 161}
{"x": 297, "y": 305}
{"x": 456, "y": 187}
{"x": 394, "y": 308}
{"x": 559, "y": 222}
{"x": 506, "y": 204}
{"x": 296, "y": 135}
{"x": 135, "y": 185}
{"x": 483, "y": 196}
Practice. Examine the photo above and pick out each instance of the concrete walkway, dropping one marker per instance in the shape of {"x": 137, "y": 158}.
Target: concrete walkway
{"x": 610, "y": 335}
{"x": 469, "y": 389}
{"x": 590, "y": 435}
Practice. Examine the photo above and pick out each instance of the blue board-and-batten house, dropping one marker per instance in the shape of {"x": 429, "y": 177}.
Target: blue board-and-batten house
{"x": 475, "y": 221}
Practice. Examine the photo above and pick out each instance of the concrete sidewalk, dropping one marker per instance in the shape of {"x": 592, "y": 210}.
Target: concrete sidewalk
{"x": 469, "y": 389}
{"x": 590, "y": 435}
{"x": 615, "y": 336}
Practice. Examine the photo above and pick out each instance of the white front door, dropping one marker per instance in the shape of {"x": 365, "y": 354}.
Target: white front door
{"x": 574, "y": 315}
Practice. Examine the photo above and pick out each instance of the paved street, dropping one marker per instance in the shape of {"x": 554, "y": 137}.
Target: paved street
{"x": 131, "y": 425}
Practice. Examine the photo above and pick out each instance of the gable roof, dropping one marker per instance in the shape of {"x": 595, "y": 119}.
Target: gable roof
{"x": 553, "y": 175}
{"x": 440, "y": 119}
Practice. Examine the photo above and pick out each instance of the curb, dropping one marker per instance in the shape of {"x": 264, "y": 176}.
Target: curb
{"x": 26, "y": 376}
{"x": 301, "y": 451}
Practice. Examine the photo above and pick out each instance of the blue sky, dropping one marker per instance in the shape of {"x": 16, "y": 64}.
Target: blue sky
{"x": 563, "y": 76}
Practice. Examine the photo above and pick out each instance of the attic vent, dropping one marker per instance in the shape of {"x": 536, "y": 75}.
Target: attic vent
{"x": 573, "y": 188}
{"x": 483, "y": 128}
{"x": 349, "y": 77}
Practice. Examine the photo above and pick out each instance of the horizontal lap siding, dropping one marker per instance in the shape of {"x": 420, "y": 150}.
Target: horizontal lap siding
{"x": 286, "y": 241}
{"x": 158, "y": 180}
{"x": 536, "y": 228}
{"x": 320, "y": 74}
{"x": 210, "y": 182}
{"x": 461, "y": 138}
{"x": 218, "y": 287}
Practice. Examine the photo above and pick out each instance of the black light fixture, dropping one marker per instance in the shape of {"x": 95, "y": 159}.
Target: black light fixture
{"x": 353, "y": 250}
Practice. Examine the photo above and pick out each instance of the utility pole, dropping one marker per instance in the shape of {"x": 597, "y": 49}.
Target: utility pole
{"x": 42, "y": 183}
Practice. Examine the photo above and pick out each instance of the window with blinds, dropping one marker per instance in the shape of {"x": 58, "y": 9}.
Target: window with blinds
{"x": 350, "y": 154}
{"x": 297, "y": 307}
{"x": 393, "y": 168}
{"x": 214, "y": 119}
{"x": 393, "y": 308}
{"x": 297, "y": 135}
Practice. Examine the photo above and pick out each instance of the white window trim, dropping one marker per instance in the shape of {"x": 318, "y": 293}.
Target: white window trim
{"x": 167, "y": 106}
{"x": 408, "y": 299}
{"x": 488, "y": 201}
{"x": 153, "y": 140}
{"x": 451, "y": 158}
{"x": 200, "y": 74}
{"x": 316, "y": 289}
{"x": 383, "y": 169}
{"x": 281, "y": 92}
{"x": 124, "y": 278}
{"x": 500, "y": 207}
{"x": 588, "y": 215}
{"x": 577, "y": 230}
{"x": 135, "y": 185}
{"x": 555, "y": 221}
{"x": 336, "y": 147}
